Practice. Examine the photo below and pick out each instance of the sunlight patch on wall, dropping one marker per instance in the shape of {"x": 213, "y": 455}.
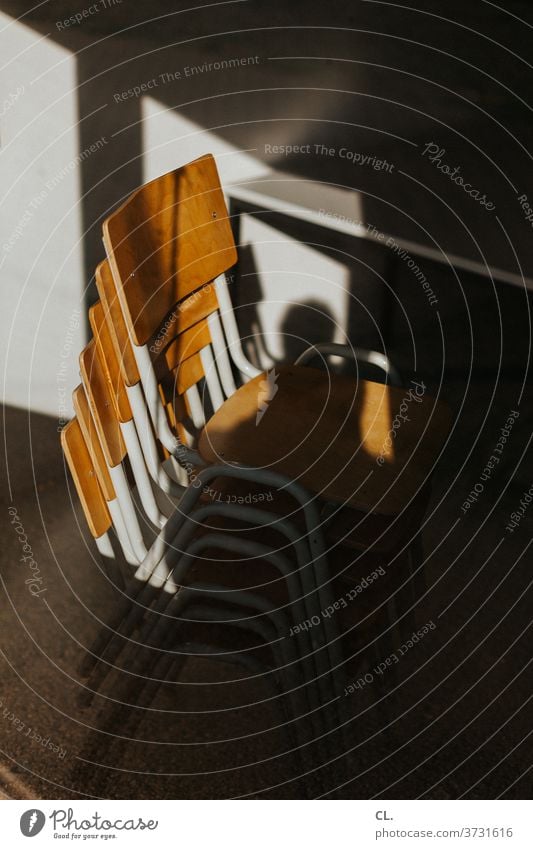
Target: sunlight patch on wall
{"x": 171, "y": 140}
{"x": 40, "y": 221}
{"x": 302, "y": 294}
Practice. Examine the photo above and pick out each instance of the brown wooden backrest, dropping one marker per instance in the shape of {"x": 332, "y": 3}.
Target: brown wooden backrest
{"x": 188, "y": 312}
{"x": 85, "y": 480}
{"x": 117, "y": 326}
{"x": 100, "y": 327}
{"x": 92, "y": 441}
{"x": 169, "y": 238}
{"x": 101, "y": 403}
{"x": 188, "y": 343}
{"x": 183, "y": 335}
{"x": 176, "y": 407}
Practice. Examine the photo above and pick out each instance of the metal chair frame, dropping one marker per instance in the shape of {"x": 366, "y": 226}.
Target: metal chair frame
{"x": 300, "y": 597}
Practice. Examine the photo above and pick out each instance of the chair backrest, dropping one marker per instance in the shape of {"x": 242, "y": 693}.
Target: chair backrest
{"x": 193, "y": 309}
{"x": 85, "y": 479}
{"x": 92, "y": 441}
{"x": 117, "y": 325}
{"x": 106, "y": 350}
{"x": 101, "y": 404}
{"x": 175, "y": 350}
{"x": 170, "y": 238}
{"x": 96, "y": 488}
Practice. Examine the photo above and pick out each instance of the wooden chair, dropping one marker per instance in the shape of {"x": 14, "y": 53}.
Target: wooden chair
{"x": 102, "y": 406}
{"x": 361, "y": 531}
{"x": 98, "y": 407}
{"x": 92, "y": 439}
{"x": 169, "y": 248}
{"x": 166, "y": 343}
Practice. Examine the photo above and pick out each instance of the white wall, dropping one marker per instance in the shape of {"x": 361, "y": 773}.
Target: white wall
{"x": 291, "y": 274}
{"x": 40, "y": 223}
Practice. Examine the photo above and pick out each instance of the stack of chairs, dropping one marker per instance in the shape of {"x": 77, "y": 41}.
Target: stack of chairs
{"x": 205, "y": 545}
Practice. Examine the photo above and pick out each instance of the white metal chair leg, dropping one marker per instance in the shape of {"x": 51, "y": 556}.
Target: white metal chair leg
{"x": 221, "y": 355}
{"x": 121, "y": 531}
{"x": 138, "y": 467}
{"x": 143, "y": 426}
{"x": 231, "y": 330}
{"x": 128, "y": 515}
{"x": 151, "y": 393}
{"x": 105, "y": 546}
{"x": 114, "y": 567}
{"x": 211, "y": 378}
{"x": 195, "y": 407}
{"x": 153, "y": 401}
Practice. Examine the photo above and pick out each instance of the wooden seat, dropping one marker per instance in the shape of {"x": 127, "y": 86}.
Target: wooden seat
{"x": 332, "y": 434}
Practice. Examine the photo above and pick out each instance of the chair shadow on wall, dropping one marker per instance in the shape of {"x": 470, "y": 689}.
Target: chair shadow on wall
{"x": 310, "y": 322}
{"x": 370, "y": 312}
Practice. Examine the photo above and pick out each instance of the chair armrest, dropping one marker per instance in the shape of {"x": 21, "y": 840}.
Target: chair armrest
{"x": 335, "y": 349}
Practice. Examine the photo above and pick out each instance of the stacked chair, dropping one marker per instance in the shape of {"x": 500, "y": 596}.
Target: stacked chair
{"x": 223, "y": 499}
